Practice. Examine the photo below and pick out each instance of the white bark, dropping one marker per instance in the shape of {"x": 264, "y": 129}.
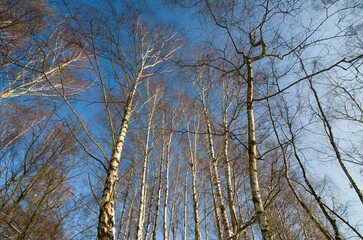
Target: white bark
{"x": 166, "y": 190}
{"x": 144, "y": 180}
{"x": 174, "y": 206}
{"x": 185, "y": 206}
{"x": 252, "y": 159}
{"x": 151, "y": 49}
{"x": 215, "y": 175}
{"x": 228, "y": 179}
{"x": 158, "y": 199}
{"x": 192, "y": 164}
{"x": 106, "y": 219}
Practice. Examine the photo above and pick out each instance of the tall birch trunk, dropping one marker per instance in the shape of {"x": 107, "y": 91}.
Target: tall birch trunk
{"x": 144, "y": 180}
{"x": 106, "y": 219}
{"x": 158, "y": 199}
{"x": 185, "y": 206}
{"x": 149, "y": 212}
{"x": 144, "y": 186}
{"x": 193, "y": 171}
{"x": 215, "y": 176}
{"x": 252, "y": 160}
{"x": 150, "y": 49}
{"x": 205, "y": 218}
{"x": 229, "y": 179}
{"x": 215, "y": 205}
{"x": 173, "y": 212}
{"x": 166, "y": 191}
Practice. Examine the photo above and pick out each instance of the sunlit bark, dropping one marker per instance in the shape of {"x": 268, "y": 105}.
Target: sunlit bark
{"x": 252, "y": 159}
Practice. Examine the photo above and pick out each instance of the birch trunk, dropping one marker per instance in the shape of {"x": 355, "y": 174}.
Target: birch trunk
{"x": 185, "y": 206}
{"x": 158, "y": 200}
{"x": 166, "y": 191}
{"x": 150, "y": 49}
{"x": 141, "y": 217}
{"x": 149, "y": 212}
{"x": 229, "y": 180}
{"x": 215, "y": 207}
{"x": 216, "y": 179}
{"x": 252, "y": 160}
{"x": 144, "y": 180}
{"x": 173, "y": 212}
{"x": 193, "y": 171}
{"x": 106, "y": 219}
{"x": 206, "y": 218}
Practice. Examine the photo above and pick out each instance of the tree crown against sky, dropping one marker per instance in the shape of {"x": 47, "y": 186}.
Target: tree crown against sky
{"x": 181, "y": 119}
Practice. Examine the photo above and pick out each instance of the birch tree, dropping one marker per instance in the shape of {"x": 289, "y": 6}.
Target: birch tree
{"x": 192, "y": 157}
{"x": 130, "y": 51}
{"x": 152, "y": 102}
{"x": 235, "y": 144}
{"x": 251, "y": 42}
{"x": 202, "y": 84}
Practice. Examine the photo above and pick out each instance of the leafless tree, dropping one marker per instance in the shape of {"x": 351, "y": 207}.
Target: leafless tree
{"x": 134, "y": 50}
{"x": 35, "y": 50}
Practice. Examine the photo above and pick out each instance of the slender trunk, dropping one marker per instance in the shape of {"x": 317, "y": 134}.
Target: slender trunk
{"x": 122, "y": 214}
{"x": 106, "y": 218}
{"x": 252, "y": 159}
{"x": 193, "y": 171}
{"x": 185, "y": 205}
{"x": 215, "y": 176}
{"x": 144, "y": 180}
{"x": 141, "y": 218}
{"x": 158, "y": 200}
{"x": 198, "y": 235}
{"x": 243, "y": 229}
{"x": 175, "y": 223}
{"x": 166, "y": 191}
{"x": 173, "y": 215}
{"x": 228, "y": 179}
{"x": 149, "y": 211}
{"x": 216, "y": 209}
{"x": 205, "y": 217}
{"x": 248, "y": 205}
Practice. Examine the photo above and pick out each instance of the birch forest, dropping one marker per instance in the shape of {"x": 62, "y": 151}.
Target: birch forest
{"x": 181, "y": 119}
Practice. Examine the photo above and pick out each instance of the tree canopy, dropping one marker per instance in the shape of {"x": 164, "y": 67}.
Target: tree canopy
{"x": 177, "y": 119}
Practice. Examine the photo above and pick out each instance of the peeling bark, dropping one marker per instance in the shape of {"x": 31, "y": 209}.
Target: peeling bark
{"x": 106, "y": 219}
